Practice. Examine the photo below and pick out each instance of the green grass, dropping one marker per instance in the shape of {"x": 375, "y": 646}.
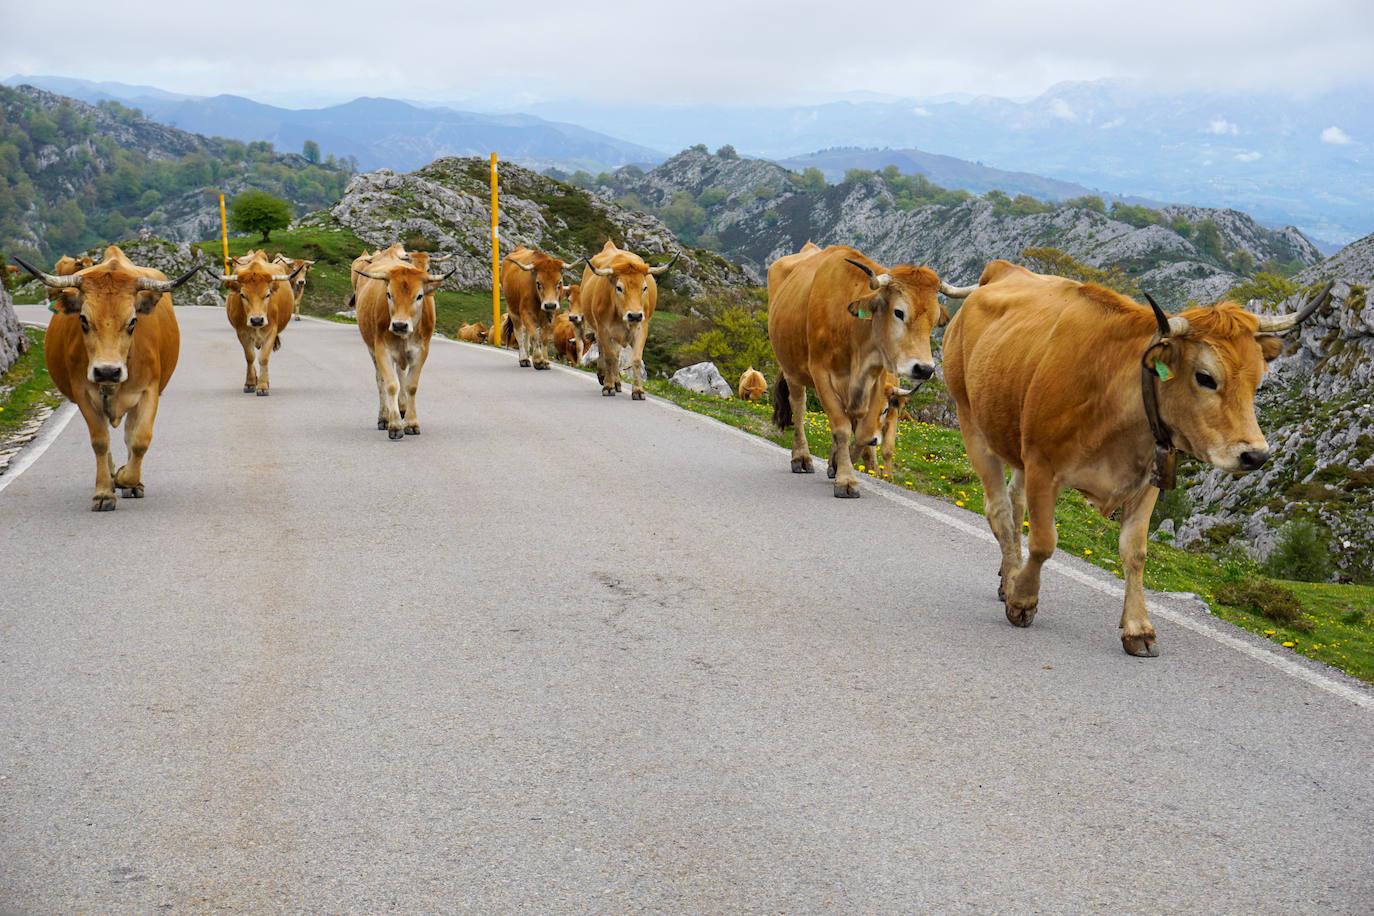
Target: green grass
{"x": 1338, "y": 623}
{"x": 26, "y": 388}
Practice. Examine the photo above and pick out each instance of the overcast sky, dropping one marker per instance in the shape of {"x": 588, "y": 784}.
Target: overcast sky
{"x": 700, "y": 51}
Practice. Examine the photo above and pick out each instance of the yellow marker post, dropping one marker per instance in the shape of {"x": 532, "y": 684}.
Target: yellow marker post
{"x": 224, "y": 234}
{"x": 495, "y": 335}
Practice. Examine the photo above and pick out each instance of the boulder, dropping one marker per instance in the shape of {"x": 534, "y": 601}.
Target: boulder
{"x": 12, "y": 339}
{"x": 703, "y": 378}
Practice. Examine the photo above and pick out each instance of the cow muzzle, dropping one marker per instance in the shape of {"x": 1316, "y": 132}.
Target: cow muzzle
{"x": 400, "y": 327}
{"x": 258, "y": 321}
{"x": 105, "y": 373}
{"x": 550, "y": 307}
{"x": 918, "y": 370}
{"x": 634, "y": 317}
{"x": 575, "y": 319}
{"x": 1253, "y": 459}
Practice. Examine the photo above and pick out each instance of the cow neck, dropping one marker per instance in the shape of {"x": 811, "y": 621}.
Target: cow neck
{"x": 1164, "y": 468}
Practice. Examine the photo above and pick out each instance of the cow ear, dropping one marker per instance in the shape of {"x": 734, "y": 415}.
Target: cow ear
{"x": 944, "y": 317}
{"x": 862, "y": 309}
{"x": 147, "y": 300}
{"x": 1271, "y": 345}
{"x": 67, "y": 302}
{"x": 1159, "y": 359}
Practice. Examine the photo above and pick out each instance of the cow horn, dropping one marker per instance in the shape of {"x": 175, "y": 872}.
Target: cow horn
{"x": 599, "y": 271}
{"x": 1176, "y": 326}
{"x": 52, "y": 281}
{"x": 372, "y": 276}
{"x": 957, "y": 292}
{"x": 875, "y": 281}
{"x": 523, "y": 266}
{"x": 903, "y": 392}
{"x": 282, "y": 278}
{"x": 663, "y": 269}
{"x": 166, "y": 286}
{"x": 433, "y": 279}
{"x": 1278, "y": 324}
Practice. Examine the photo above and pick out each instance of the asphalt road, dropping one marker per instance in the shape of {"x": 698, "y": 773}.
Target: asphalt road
{"x": 570, "y": 654}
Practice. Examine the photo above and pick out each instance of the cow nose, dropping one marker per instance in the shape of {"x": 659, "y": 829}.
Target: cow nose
{"x": 258, "y": 321}
{"x": 575, "y": 319}
{"x": 400, "y": 327}
{"x": 634, "y": 316}
{"x": 922, "y": 371}
{"x": 550, "y": 306}
{"x": 106, "y": 373}
{"x": 1253, "y": 459}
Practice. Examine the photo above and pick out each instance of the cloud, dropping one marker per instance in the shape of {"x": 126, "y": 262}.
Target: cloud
{"x": 1221, "y": 127}
{"x": 1335, "y": 136}
{"x": 1061, "y": 110}
{"x": 921, "y": 111}
{"x": 1248, "y": 156}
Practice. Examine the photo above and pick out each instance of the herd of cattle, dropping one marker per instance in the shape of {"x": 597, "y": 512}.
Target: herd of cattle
{"x": 1062, "y": 384}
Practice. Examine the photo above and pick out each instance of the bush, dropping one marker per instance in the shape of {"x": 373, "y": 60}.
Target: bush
{"x": 418, "y": 241}
{"x": 1087, "y": 202}
{"x": 1270, "y": 288}
{"x": 1267, "y": 599}
{"x": 258, "y": 211}
{"x": 727, "y": 152}
{"x": 737, "y": 340}
{"x": 1301, "y": 553}
{"x": 1062, "y": 264}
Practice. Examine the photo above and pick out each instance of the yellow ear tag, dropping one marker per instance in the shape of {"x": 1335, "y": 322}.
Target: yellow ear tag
{"x": 1162, "y": 371}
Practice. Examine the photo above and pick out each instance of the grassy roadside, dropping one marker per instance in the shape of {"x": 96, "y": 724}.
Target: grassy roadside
{"x": 26, "y": 388}
{"x": 1331, "y": 623}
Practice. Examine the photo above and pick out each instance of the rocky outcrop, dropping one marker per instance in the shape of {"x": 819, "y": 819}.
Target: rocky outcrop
{"x": 448, "y": 203}
{"x": 703, "y": 378}
{"x": 1317, "y": 413}
{"x": 12, "y": 339}
{"x": 756, "y": 211}
{"x": 1354, "y": 263}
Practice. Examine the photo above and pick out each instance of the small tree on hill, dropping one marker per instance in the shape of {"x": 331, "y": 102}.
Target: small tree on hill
{"x": 258, "y": 211}
{"x": 311, "y": 152}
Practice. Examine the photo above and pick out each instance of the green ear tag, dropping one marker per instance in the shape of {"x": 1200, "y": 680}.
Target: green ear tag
{"x": 1162, "y": 371}
{"x": 52, "y": 306}
{"x": 860, "y": 313}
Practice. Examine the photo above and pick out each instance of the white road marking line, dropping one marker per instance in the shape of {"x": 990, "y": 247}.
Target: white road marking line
{"x": 30, "y": 453}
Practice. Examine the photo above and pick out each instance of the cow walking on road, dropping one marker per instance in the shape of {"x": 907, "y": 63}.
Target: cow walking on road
{"x": 532, "y": 285}
{"x": 259, "y": 308}
{"x": 396, "y": 316}
{"x": 1071, "y": 385}
{"x": 619, "y": 292}
{"x": 111, "y": 349}
{"x": 837, "y": 321}
{"x": 300, "y": 269}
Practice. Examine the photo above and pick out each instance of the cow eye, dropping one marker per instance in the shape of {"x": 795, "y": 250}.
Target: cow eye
{"x": 132, "y": 321}
{"x": 85, "y": 323}
{"x": 1206, "y": 381}
{"x": 539, "y": 286}
{"x": 899, "y": 314}
{"x": 620, "y": 288}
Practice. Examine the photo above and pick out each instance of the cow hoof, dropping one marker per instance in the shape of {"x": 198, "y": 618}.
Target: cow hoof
{"x": 1140, "y": 646}
{"x": 541, "y": 365}
{"x": 524, "y": 364}
{"x": 802, "y": 466}
{"x": 1020, "y": 616}
{"x": 847, "y": 490}
{"x": 395, "y": 434}
{"x": 618, "y": 388}
{"x": 830, "y": 469}
{"x": 600, "y": 378}
{"x": 248, "y": 389}
{"x": 636, "y": 395}
{"x": 263, "y": 392}
{"x": 381, "y": 424}
{"x": 296, "y": 317}
{"x": 412, "y": 430}
{"x": 608, "y": 392}
{"x": 103, "y": 503}
{"x": 131, "y": 492}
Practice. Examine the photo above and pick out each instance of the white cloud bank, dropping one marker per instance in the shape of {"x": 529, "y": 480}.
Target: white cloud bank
{"x": 1335, "y": 136}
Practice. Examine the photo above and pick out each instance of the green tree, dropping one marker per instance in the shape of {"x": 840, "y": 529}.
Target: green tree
{"x": 812, "y": 179}
{"x": 1301, "y": 553}
{"x": 258, "y": 211}
{"x": 311, "y": 152}
{"x": 684, "y": 216}
{"x": 727, "y": 152}
{"x": 1087, "y": 202}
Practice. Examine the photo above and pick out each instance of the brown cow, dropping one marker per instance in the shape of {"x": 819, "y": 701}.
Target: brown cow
{"x": 891, "y": 406}
{"x": 565, "y": 340}
{"x": 752, "y": 385}
{"x": 473, "y": 333}
{"x": 837, "y": 320}
{"x": 532, "y": 285}
{"x": 259, "y": 308}
{"x": 66, "y": 266}
{"x": 300, "y": 268}
{"x": 1056, "y": 379}
{"x": 619, "y": 292}
{"x": 395, "y": 309}
{"x": 111, "y": 348}
{"x": 582, "y": 330}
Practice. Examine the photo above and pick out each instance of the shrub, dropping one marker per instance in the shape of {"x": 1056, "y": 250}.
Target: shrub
{"x": 418, "y": 241}
{"x": 1267, "y": 599}
{"x": 736, "y": 339}
{"x": 1054, "y": 261}
{"x": 1268, "y": 287}
{"x": 258, "y": 211}
{"x": 1087, "y": 202}
{"x": 1301, "y": 553}
{"x": 727, "y": 152}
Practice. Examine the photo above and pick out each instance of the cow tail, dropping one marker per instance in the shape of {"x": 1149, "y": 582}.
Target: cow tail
{"x": 507, "y": 330}
{"x": 782, "y": 404}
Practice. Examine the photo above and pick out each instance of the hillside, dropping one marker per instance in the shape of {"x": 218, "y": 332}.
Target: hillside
{"x": 752, "y": 211}
{"x": 1318, "y": 415}
{"x": 374, "y": 132}
{"x": 74, "y": 175}
{"x": 446, "y": 206}
{"x": 946, "y": 171}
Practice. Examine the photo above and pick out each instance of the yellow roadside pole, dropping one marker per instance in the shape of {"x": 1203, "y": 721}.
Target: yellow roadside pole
{"x": 224, "y": 234}
{"x": 495, "y": 335}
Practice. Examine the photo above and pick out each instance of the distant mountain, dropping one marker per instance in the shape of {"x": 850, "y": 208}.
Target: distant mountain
{"x": 753, "y": 211}
{"x": 1284, "y": 160}
{"x": 377, "y": 133}
{"x": 75, "y": 175}
{"x": 946, "y": 171}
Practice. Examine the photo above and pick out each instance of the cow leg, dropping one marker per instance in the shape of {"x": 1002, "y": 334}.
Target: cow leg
{"x": 1042, "y": 491}
{"x": 1137, "y": 632}
{"x": 389, "y": 388}
{"x": 138, "y": 435}
{"x": 801, "y": 449}
{"x": 264, "y": 356}
{"x": 381, "y": 390}
{"x": 608, "y": 368}
{"x": 411, "y": 384}
{"x": 250, "y": 378}
{"x": 543, "y": 338}
{"x": 99, "y": 428}
{"x": 522, "y": 339}
{"x": 846, "y": 481}
{"x": 997, "y": 505}
{"x": 637, "y": 364}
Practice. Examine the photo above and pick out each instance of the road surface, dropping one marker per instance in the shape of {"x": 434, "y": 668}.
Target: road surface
{"x": 570, "y": 654}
